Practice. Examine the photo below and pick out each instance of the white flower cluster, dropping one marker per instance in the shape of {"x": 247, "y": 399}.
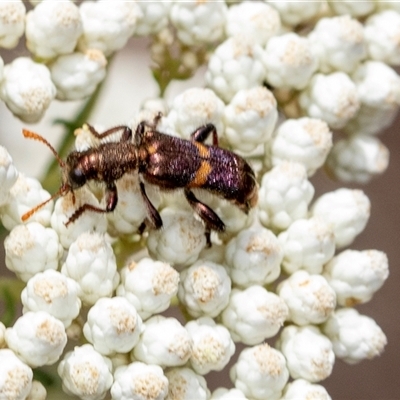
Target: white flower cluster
{"x": 277, "y": 273}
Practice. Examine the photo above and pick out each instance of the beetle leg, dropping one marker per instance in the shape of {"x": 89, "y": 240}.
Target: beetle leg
{"x": 209, "y": 217}
{"x": 126, "y": 132}
{"x": 203, "y": 132}
{"x": 153, "y": 217}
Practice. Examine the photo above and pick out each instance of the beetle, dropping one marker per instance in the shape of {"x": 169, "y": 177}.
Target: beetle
{"x": 166, "y": 161}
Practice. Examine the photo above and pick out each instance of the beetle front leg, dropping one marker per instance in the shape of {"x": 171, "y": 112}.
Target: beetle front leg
{"x": 126, "y": 132}
{"x": 203, "y": 132}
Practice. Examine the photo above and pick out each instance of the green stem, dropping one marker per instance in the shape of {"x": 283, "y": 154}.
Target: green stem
{"x": 10, "y": 294}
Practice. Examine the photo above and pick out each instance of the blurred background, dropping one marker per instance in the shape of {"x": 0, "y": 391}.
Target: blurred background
{"x": 129, "y": 83}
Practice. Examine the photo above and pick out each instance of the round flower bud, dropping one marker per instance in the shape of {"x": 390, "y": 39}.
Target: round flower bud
{"x": 300, "y": 389}
{"x": 353, "y": 8}
{"x": 185, "y": 384}
{"x": 309, "y": 297}
{"x": 198, "y": 22}
{"x": 358, "y": 159}
{"x": 284, "y": 195}
{"x": 257, "y": 20}
{"x": 27, "y": 89}
{"x": 254, "y": 315}
{"x": 8, "y": 173}
{"x": 139, "y": 381}
{"x": 31, "y": 249}
{"x": 164, "y": 342}
{"x": 212, "y": 345}
{"x": 227, "y": 394}
{"x": 260, "y": 372}
{"x": 155, "y": 17}
{"x": 235, "y": 65}
{"x": 77, "y": 75}
{"x": 355, "y": 337}
{"x": 356, "y": 275}
{"x": 204, "y": 289}
{"x": 346, "y": 211}
{"x": 91, "y": 263}
{"x": 307, "y": 244}
{"x": 15, "y": 376}
{"x": 250, "y": 119}
{"x": 332, "y": 98}
{"x": 304, "y": 140}
{"x": 37, "y": 338}
{"x": 338, "y": 43}
{"x": 85, "y": 373}
{"x": 149, "y": 285}
{"x": 12, "y": 21}
{"x": 54, "y": 293}
{"x": 296, "y": 12}
{"x": 112, "y": 326}
{"x": 308, "y": 352}
{"x": 289, "y": 61}
{"x": 53, "y": 28}
{"x": 254, "y": 257}
{"x": 26, "y": 194}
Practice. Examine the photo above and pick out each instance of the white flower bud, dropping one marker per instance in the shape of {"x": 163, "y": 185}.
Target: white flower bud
{"x": 309, "y": 297}
{"x": 353, "y": 8}
{"x": 193, "y": 108}
{"x": 8, "y": 173}
{"x": 85, "y": 373}
{"x": 53, "y": 28}
{"x": 89, "y": 221}
{"x": 27, "y": 89}
{"x": 250, "y": 118}
{"x": 149, "y": 285}
{"x": 308, "y": 352}
{"x": 198, "y": 22}
{"x": 181, "y": 239}
{"x": 112, "y": 326}
{"x": 254, "y": 257}
{"x": 378, "y": 85}
{"x": 164, "y": 342}
{"x": 139, "y": 381}
{"x": 339, "y": 43}
{"x": 227, "y": 394}
{"x": 346, "y": 211}
{"x": 381, "y": 30}
{"x": 15, "y": 376}
{"x": 107, "y": 28}
{"x": 356, "y": 275}
{"x": 289, "y": 61}
{"x": 307, "y": 244}
{"x": 212, "y": 345}
{"x": 235, "y": 65}
{"x": 332, "y": 98}
{"x": 355, "y": 337}
{"x": 31, "y": 249}
{"x": 204, "y": 289}
{"x": 131, "y": 210}
{"x": 25, "y": 194}
{"x": 155, "y": 17}
{"x": 77, "y": 75}
{"x": 37, "y": 338}
{"x": 284, "y": 195}
{"x": 254, "y": 315}
{"x": 12, "y": 21}
{"x": 260, "y": 372}
{"x": 358, "y": 159}
{"x": 304, "y": 140}
{"x": 295, "y": 12}
{"x": 38, "y": 391}
{"x": 185, "y": 384}
{"x": 257, "y": 20}
{"x": 54, "y": 293}
{"x": 91, "y": 263}
{"x": 300, "y": 389}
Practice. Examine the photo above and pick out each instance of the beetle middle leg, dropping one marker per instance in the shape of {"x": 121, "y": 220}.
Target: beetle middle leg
{"x": 153, "y": 216}
{"x": 203, "y": 132}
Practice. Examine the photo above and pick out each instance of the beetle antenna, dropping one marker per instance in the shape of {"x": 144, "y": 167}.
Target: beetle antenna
{"x": 35, "y": 136}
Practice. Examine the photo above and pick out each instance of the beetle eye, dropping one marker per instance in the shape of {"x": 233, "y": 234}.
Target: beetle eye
{"x": 77, "y": 178}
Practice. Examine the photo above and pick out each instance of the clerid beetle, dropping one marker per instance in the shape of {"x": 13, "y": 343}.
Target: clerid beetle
{"x": 165, "y": 161}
